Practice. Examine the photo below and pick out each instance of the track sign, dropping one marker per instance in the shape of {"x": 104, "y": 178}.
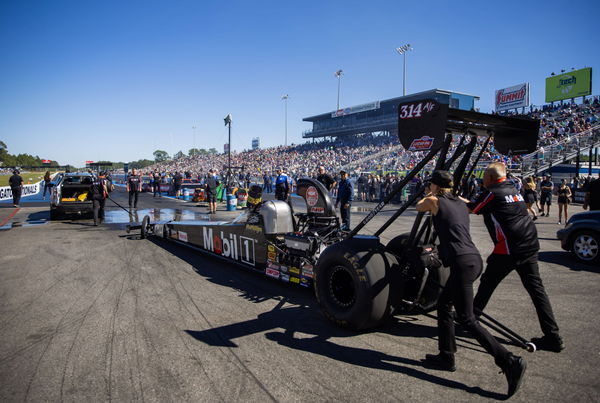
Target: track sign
{"x": 46, "y": 161}
{"x": 421, "y": 124}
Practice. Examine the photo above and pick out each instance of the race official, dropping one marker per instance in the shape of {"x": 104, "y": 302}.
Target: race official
{"x": 345, "y": 196}
{"x": 282, "y": 185}
{"x": 457, "y": 250}
{"x": 326, "y": 179}
{"x": 99, "y": 193}
{"x": 211, "y": 191}
{"x": 16, "y": 187}
{"x": 177, "y": 180}
{"x": 134, "y": 187}
{"x": 516, "y": 248}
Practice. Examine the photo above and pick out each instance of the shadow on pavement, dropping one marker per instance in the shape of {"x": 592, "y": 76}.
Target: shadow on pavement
{"x": 304, "y": 318}
{"x": 567, "y": 260}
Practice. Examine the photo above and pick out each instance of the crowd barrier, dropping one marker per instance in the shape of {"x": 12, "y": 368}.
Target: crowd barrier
{"x": 28, "y": 190}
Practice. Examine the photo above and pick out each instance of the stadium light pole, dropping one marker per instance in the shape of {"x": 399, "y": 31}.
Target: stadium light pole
{"x": 194, "y": 131}
{"x": 402, "y": 50}
{"x": 338, "y": 74}
{"x": 285, "y": 99}
{"x": 228, "y": 123}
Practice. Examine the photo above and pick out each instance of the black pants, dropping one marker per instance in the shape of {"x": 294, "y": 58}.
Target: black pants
{"x": 98, "y": 205}
{"x": 16, "y": 193}
{"x": 499, "y": 266}
{"x": 156, "y": 188}
{"x": 345, "y": 213}
{"x": 458, "y": 292}
{"x": 133, "y": 195}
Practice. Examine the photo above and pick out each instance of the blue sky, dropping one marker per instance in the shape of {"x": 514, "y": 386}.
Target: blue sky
{"x": 115, "y": 80}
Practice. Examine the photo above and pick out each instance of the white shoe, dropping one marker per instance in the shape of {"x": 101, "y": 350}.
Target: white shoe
{"x": 559, "y": 223}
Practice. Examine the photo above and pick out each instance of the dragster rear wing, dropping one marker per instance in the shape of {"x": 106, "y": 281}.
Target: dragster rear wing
{"x": 422, "y": 126}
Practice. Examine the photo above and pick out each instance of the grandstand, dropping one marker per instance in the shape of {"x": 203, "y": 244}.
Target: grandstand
{"x": 378, "y": 116}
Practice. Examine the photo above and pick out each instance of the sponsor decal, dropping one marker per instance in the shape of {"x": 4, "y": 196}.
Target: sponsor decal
{"x": 514, "y": 198}
{"x": 307, "y": 273}
{"x": 294, "y": 270}
{"x": 272, "y": 256}
{"x": 182, "y": 236}
{"x": 312, "y": 196}
{"x": 285, "y": 277}
{"x": 423, "y": 143}
{"x": 304, "y": 281}
{"x": 415, "y": 110}
{"x": 173, "y": 234}
{"x": 272, "y": 273}
{"x": 253, "y": 228}
{"x": 232, "y": 246}
{"x": 272, "y": 266}
{"x": 294, "y": 280}
{"x": 270, "y": 248}
{"x": 317, "y": 210}
{"x": 283, "y": 269}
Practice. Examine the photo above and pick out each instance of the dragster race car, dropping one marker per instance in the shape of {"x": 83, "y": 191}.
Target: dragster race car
{"x": 358, "y": 281}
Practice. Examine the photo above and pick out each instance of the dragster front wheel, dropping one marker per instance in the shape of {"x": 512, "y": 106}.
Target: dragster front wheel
{"x": 145, "y": 227}
{"x": 353, "y": 283}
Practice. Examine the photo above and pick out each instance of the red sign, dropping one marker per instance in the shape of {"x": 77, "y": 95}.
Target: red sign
{"x": 89, "y": 162}
{"x": 46, "y": 161}
{"x": 424, "y": 143}
{"x": 312, "y": 196}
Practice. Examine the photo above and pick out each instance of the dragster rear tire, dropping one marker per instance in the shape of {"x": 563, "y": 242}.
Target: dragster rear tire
{"x": 354, "y": 283}
{"x": 145, "y": 227}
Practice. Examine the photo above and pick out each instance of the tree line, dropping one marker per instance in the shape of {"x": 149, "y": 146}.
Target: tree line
{"x": 19, "y": 160}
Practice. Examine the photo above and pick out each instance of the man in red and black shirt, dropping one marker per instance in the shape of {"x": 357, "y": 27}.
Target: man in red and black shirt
{"x": 516, "y": 247}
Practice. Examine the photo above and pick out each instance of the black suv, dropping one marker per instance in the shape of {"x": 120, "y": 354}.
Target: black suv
{"x": 582, "y": 236}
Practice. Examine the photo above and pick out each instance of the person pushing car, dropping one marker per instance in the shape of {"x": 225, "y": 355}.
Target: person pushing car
{"x": 451, "y": 221}
{"x": 516, "y": 248}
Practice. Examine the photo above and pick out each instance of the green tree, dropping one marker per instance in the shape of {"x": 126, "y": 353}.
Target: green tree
{"x": 213, "y": 151}
{"x": 160, "y": 155}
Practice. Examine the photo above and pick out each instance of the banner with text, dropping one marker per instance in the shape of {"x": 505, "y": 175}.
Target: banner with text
{"x": 577, "y": 83}
{"x": 28, "y": 190}
{"x": 513, "y": 97}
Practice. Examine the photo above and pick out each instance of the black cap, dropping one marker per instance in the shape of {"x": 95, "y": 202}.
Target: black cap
{"x": 443, "y": 179}
{"x": 342, "y": 172}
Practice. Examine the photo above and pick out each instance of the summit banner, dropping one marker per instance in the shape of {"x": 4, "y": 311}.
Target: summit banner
{"x": 513, "y": 97}
{"x": 577, "y": 83}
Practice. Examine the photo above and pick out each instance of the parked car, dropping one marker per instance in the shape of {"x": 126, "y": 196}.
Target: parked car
{"x": 581, "y": 236}
{"x": 70, "y": 195}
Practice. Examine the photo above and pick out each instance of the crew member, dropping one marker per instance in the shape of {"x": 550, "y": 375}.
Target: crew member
{"x": 134, "y": 186}
{"x": 282, "y": 185}
{"x": 546, "y": 188}
{"x": 16, "y": 187}
{"x": 47, "y": 184}
{"x": 451, "y": 222}
{"x": 211, "y": 191}
{"x": 177, "y": 179}
{"x": 99, "y": 192}
{"x": 516, "y": 247}
{"x": 325, "y": 179}
{"x": 345, "y": 196}
{"x": 156, "y": 183}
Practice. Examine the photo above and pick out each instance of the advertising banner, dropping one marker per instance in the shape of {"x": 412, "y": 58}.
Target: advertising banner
{"x": 355, "y": 109}
{"x": 28, "y": 190}
{"x": 577, "y": 83}
{"x": 255, "y": 143}
{"x": 225, "y": 148}
{"x": 513, "y": 97}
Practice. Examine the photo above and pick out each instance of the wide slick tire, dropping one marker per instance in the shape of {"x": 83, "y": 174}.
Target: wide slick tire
{"x": 354, "y": 283}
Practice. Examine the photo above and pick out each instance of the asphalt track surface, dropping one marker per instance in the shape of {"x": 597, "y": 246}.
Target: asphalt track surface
{"x": 94, "y": 314}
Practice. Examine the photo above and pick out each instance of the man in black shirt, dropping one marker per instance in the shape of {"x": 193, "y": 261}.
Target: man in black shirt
{"x": 546, "y": 188}
{"x": 156, "y": 183}
{"x": 516, "y": 248}
{"x": 211, "y": 191}
{"x": 325, "y": 179}
{"x": 16, "y": 187}
{"x": 177, "y": 179}
{"x": 99, "y": 192}
{"x": 134, "y": 186}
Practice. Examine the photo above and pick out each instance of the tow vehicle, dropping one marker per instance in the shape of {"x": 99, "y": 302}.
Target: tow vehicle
{"x": 69, "y": 195}
{"x": 359, "y": 282}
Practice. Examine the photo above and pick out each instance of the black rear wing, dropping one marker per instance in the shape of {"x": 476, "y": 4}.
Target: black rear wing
{"x": 422, "y": 126}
